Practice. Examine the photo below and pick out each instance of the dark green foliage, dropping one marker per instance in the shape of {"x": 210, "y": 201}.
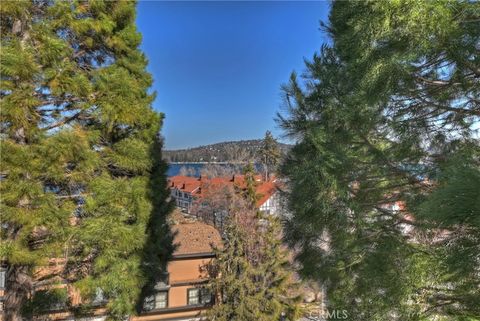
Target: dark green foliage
{"x": 280, "y": 296}
{"x": 388, "y": 114}
{"x": 46, "y": 300}
{"x": 253, "y": 278}
{"x": 269, "y": 154}
{"x": 250, "y": 191}
{"x": 80, "y": 150}
{"x": 237, "y": 296}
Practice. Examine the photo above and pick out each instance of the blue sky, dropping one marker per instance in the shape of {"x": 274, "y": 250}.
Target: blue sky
{"x": 218, "y": 66}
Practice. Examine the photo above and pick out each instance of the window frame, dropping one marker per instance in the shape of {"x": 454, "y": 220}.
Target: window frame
{"x": 153, "y": 302}
{"x": 149, "y": 301}
{"x": 203, "y": 293}
{"x": 156, "y": 301}
{"x": 188, "y": 296}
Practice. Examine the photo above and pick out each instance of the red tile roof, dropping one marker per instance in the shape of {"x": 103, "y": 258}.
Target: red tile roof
{"x": 197, "y": 186}
{"x": 265, "y": 191}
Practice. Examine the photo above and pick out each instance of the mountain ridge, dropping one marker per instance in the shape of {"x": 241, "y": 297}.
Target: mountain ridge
{"x": 227, "y": 151}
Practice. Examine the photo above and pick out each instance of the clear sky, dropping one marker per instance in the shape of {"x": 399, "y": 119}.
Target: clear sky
{"x": 218, "y": 66}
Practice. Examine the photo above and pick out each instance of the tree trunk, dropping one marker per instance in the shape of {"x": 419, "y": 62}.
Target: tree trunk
{"x": 18, "y": 282}
{"x": 17, "y": 290}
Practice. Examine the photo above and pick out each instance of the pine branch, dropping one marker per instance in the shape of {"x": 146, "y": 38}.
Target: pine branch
{"x": 64, "y": 121}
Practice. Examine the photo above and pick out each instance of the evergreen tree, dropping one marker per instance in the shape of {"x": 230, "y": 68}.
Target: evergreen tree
{"x": 253, "y": 281}
{"x": 250, "y": 188}
{"x": 280, "y": 295}
{"x": 253, "y": 276}
{"x": 237, "y": 297}
{"x": 80, "y": 152}
{"x": 383, "y": 118}
{"x": 269, "y": 154}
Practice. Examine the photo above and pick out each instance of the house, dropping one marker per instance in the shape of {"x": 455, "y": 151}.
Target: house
{"x": 269, "y": 197}
{"x": 183, "y": 189}
{"x": 186, "y": 190}
{"x": 182, "y": 295}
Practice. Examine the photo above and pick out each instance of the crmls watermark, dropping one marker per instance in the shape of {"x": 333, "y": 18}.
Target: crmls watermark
{"x": 336, "y": 314}
{"x": 328, "y": 314}
{"x": 323, "y": 313}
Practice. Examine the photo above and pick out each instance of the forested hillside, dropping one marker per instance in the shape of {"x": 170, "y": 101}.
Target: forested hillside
{"x": 235, "y": 151}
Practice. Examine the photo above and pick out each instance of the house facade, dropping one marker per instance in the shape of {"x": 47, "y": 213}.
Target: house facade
{"x": 182, "y": 295}
{"x": 186, "y": 190}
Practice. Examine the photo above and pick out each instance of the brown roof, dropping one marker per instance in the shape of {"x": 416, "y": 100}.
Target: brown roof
{"x": 195, "y": 238}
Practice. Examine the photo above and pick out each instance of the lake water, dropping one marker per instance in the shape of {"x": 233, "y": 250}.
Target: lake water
{"x": 174, "y": 169}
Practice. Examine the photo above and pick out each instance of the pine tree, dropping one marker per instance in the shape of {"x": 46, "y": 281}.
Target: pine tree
{"x": 385, "y": 115}
{"x": 237, "y": 297}
{"x": 80, "y": 152}
{"x": 254, "y": 279}
{"x": 269, "y": 154}
{"x": 280, "y": 295}
{"x": 250, "y": 188}
{"x": 252, "y": 286}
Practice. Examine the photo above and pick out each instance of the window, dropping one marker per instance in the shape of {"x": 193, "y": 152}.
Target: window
{"x": 149, "y": 303}
{"x": 199, "y": 296}
{"x": 157, "y": 301}
{"x": 161, "y": 300}
{"x": 3, "y": 274}
{"x": 205, "y": 296}
{"x": 193, "y": 296}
